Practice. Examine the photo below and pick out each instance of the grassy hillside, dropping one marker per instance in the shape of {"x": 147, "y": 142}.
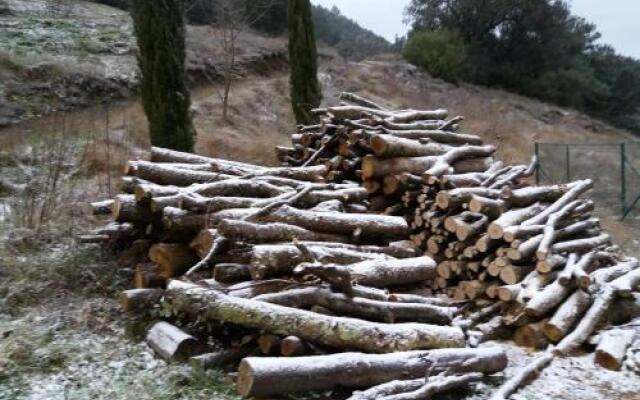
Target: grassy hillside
{"x": 81, "y": 53}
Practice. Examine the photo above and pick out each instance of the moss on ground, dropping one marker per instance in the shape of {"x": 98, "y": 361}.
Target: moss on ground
{"x": 32, "y": 35}
{"x": 34, "y": 277}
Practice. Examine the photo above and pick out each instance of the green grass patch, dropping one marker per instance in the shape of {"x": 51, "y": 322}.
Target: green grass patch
{"x": 63, "y": 36}
{"x": 34, "y": 277}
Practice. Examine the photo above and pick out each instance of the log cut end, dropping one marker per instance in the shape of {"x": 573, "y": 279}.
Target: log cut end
{"x": 244, "y": 384}
{"x": 553, "y": 333}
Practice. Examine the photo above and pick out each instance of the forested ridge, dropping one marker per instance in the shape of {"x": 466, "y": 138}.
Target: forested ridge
{"x": 533, "y": 47}
{"x": 537, "y": 48}
{"x": 331, "y": 27}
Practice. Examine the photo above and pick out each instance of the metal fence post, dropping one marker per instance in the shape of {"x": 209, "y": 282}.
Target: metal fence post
{"x": 537, "y": 151}
{"x": 568, "y": 155}
{"x": 623, "y": 178}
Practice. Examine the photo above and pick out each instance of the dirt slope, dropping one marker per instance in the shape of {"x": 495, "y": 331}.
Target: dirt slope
{"x": 68, "y": 54}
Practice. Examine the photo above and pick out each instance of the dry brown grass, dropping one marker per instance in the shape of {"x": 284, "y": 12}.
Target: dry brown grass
{"x": 510, "y": 121}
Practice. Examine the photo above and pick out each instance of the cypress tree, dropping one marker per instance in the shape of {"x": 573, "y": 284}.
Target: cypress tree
{"x": 303, "y": 59}
{"x": 160, "y": 30}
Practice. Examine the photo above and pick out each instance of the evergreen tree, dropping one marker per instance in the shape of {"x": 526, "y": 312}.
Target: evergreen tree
{"x": 160, "y": 31}
{"x": 303, "y": 58}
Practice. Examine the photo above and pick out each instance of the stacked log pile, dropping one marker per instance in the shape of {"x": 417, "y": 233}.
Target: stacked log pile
{"x": 383, "y": 232}
{"x": 281, "y": 262}
{"x": 536, "y": 253}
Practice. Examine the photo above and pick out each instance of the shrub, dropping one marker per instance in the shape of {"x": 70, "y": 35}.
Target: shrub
{"x": 442, "y": 53}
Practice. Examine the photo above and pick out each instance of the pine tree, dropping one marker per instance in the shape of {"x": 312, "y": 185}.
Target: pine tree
{"x": 303, "y": 58}
{"x": 160, "y": 30}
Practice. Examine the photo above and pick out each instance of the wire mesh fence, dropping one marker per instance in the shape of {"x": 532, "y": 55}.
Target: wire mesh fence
{"x": 614, "y": 169}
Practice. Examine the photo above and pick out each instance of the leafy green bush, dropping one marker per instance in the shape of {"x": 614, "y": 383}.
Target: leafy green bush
{"x": 443, "y": 54}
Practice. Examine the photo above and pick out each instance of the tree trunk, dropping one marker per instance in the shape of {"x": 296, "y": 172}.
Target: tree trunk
{"x": 163, "y": 86}
{"x": 305, "y": 88}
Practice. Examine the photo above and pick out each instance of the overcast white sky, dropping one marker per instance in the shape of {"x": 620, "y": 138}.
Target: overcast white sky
{"x": 617, "y": 20}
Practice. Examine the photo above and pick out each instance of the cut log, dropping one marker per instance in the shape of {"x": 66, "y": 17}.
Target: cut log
{"x": 369, "y": 225}
{"x": 509, "y": 292}
{"x": 454, "y": 198}
{"x": 581, "y": 245}
{"x": 600, "y": 277}
{"x": 248, "y": 290}
{"x": 389, "y": 146}
{"x": 273, "y": 260}
{"x": 577, "y": 188}
{"x": 383, "y": 273}
{"x": 175, "y": 219}
{"x": 172, "y": 259}
{"x": 388, "y": 389}
{"x": 494, "y": 329}
{"x": 359, "y": 100}
{"x": 244, "y": 231}
{"x": 598, "y": 309}
{"x": 567, "y": 315}
{"x": 372, "y": 310}
{"x": 375, "y": 168}
{"x": 229, "y": 187}
{"x": 531, "y": 336}
{"x": 437, "y": 384}
{"x": 533, "y": 194}
{"x": 578, "y": 271}
{"x": 160, "y": 155}
{"x": 613, "y": 346}
{"x": 170, "y": 175}
{"x": 132, "y": 166}
{"x": 199, "y": 204}
{"x": 375, "y": 272}
{"x": 256, "y": 375}
{"x": 512, "y": 218}
{"x": 314, "y": 173}
{"x": 126, "y": 209}
{"x": 551, "y": 263}
{"x": 437, "y": 136}
{"x": 325, "y": 330}
{"x": 512, "y": 274}
{"x": 269, "y": 344}
{"x": 293, "y": 346}
{"x": 128, "y": 184}
{"x": 445, "y": 163}
{"x": 171, "y": 343}
{"x": 548, "y": 299}
{"x": 492, "y": 208}
{"x": 549, "y": 233}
